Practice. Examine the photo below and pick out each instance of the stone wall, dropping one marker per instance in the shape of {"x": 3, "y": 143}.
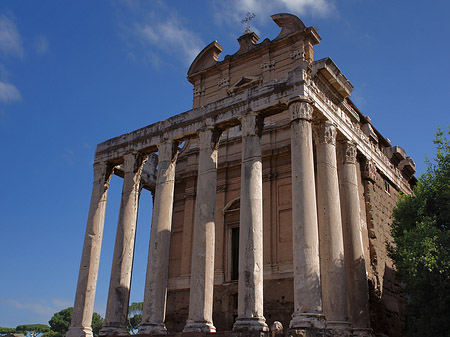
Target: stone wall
{"x": 387, "y": 305}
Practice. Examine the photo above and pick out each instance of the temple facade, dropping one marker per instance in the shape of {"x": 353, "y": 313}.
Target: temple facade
{"x": 272, "y": 200}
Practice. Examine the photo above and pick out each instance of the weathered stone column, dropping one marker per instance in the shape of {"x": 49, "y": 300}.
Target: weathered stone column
{"x": 332, "y": 268}
{"x": 357, "y": 287}
{"x": 90, "y": 258}
{"x": 307, "y": 288}
{"x": 155, "y": 295}
{"x": 202, "y": 267}
{"x": 122, "y": 265}
{"x": 250, "y": 284}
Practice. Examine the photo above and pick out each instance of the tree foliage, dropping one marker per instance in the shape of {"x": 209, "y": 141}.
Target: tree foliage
{"x": 134, "y": 316}
{"x": 32, "y": 330}
{"x": 60, "y": 322}
{"x": 5, "y": 331}
{"x": 421, "y": 231}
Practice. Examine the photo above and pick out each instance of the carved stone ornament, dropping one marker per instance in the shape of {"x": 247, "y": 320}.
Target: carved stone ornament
{"x": 301, "y": 110}
{"x": 350, "y": 153}
{"x": 370, "y": 170}
{"x": 298, "y": 54}
{"x": 223, "y": 82}
{"x": 198, "y": 91}
{"x": 326, "y": 132}
{"x": 133, "y": 162}
{"x": 103, "y": 173}
{"x": 269, "y": 65}
{"x": 166, "y": 151}
{"x": 251, "y": 124}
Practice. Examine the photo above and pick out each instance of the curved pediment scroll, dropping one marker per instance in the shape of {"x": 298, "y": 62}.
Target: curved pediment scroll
{"x": 206, "y": 58}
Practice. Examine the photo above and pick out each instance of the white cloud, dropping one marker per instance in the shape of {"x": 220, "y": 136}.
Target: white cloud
{"x": 9, "y": 93}
{"x": 41, "y": 45}
{"x": 232, "y": 11}
{"x": 154, "y": 30}
{"x": 10, "y": 41}
{"x": 42, "y": 309}
{"x": 172, "y": 37}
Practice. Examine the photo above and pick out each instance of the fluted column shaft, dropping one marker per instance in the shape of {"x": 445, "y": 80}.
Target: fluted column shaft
{"x": 330, "y": 230}
{"x": 90, "y": 258}
{"x": 307, "y": 288}
{"x": 155, "y": 295}
{"x": 122, "y": 265}
{"x": 202, "y": 267}
{"x": 250, "y": 284}
{"x": 357, "y": 287}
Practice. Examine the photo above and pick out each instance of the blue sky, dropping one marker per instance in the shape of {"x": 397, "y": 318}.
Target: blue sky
{"x": 75, "y": 73}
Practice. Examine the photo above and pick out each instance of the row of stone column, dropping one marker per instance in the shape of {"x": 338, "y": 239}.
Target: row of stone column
{"x": 319, "y": 282}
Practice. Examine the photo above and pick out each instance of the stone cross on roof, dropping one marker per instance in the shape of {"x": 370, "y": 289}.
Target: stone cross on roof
{"x": 248, "y": 17}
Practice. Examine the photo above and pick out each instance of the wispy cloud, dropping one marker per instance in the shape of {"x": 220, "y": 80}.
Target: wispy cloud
{"x": 41, "y": 45}
{"x": 10, "y": 41}
{"x": 69, "y": 156}
{"x": 159, "y": 30}
{"x": 230, "y": 12}
{"x": 9, "y": 93}
{"x": 38, "y": 307}
{"x": 171, "y": 36}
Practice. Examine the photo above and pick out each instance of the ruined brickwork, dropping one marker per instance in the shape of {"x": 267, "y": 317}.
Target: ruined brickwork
{"x": 272, "y": 203}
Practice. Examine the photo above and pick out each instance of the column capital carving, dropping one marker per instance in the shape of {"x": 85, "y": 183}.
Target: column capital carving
{"x": 208, "y": 137}
{"x": 103, "y": 173}
{"x": 325, "y": 133}
{"x": 370, "y": 170}
{"x": 167, "y": 150}
{"x": 133, "y": 162}
{"x": 252, "y": 124}
{"x": 349, "y": 152}
{"x": 301, "y": 110}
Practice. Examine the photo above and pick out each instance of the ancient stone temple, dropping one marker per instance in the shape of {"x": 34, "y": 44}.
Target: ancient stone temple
{"x": 272, "y": 200}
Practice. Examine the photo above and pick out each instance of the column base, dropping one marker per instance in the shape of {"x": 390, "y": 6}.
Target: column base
{"x": 153, "y": 329}
{"x": 307, "y": 320}
{"x": 250, "y": 324}
{"x": 199, "y": 326}
{"x": 109, "y": 330}
{"x": 79, "y": 332}
{"x": 340, "y": 328}
{"x": 362, "y": 332}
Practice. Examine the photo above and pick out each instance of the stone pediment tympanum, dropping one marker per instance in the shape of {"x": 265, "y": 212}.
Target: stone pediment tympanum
{"x": 243, "y": 83}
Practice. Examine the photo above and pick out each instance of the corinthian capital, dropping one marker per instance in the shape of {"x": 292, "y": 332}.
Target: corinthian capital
{"x": 252, "y": 124}
{"x": 325, "y": 133}
{"x": 301, "y": 110}
{"x": 349, "y": 152}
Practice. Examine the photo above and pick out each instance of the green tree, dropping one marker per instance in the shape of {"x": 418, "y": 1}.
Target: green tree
{"x": 134, "y": 317}
{"x": 60, "y": 322}
{"x": 32, "y": 330}
{"x": 5, "y": 331}
{"x": 421, "y": 231}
